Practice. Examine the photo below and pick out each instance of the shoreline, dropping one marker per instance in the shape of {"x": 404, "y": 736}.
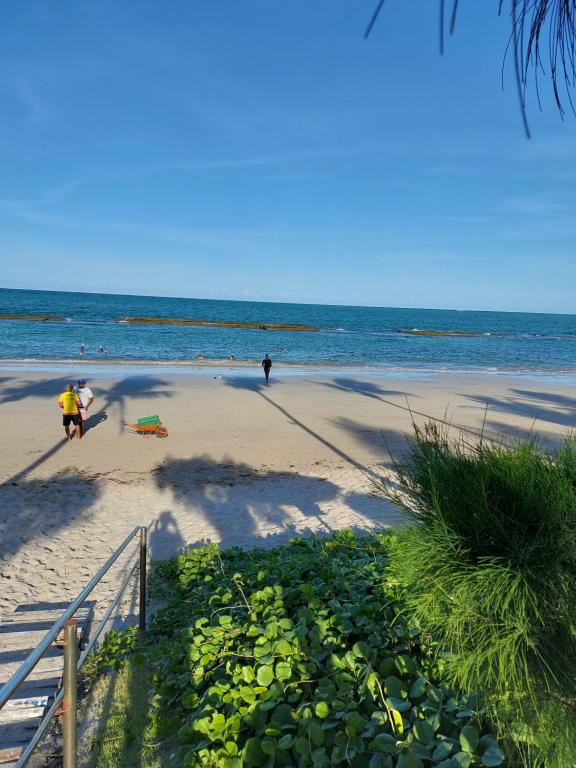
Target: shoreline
{"x": 115, "y": 367}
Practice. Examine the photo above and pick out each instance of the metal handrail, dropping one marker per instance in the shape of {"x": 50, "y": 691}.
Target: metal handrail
{"x": 72, "y": 665}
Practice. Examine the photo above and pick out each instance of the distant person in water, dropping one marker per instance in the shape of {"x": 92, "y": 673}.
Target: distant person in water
{"x": 86, "y": 398}
{"x": 82, "y": 350}
{"x": 267, "y": 364}
{"x": 70, "y": 404}
{"x": 103, "y": 350}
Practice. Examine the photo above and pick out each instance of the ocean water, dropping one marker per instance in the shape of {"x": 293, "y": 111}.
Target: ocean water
{"x": 358, "y": 337}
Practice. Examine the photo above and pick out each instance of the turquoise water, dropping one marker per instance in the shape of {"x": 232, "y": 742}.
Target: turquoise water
{"x": 357, "y": 337}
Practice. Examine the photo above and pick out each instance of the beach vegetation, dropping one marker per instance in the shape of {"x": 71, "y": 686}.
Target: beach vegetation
{"x": 489, "y": 571}
{"x": 120, "y": 741}
{"x": 541, "y": 44}
{"x": 299, "y": 655}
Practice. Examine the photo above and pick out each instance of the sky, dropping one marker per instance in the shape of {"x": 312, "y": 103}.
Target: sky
{"x": 264, "y": 150}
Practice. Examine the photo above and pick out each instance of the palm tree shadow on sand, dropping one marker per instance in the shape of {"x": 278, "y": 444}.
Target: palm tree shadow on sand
{"x": 123, "y": 392}
{"x": 120, "y": 394}
{"x": 31, "y": 517}
{"x": 240, "y": 506}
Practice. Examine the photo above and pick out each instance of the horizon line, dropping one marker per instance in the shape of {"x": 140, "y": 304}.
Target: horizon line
{"x": 295, "y": 303}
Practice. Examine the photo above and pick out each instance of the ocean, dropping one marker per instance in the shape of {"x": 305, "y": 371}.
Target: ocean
{"x": 354, "y": 337}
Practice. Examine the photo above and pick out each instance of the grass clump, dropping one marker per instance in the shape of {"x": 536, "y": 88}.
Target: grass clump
{"x": 490, "y": 571}
{"x": 122, "y": 738}
{"x": 300, "y": 656}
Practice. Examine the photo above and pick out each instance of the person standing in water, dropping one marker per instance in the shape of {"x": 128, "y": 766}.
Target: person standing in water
{"x": 267, "y": 364}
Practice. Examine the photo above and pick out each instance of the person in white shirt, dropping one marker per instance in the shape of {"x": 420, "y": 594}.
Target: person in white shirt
{"x": 86, "y": 398}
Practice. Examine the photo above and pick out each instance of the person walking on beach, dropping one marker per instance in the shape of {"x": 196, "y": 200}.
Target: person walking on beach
{"x": 70, "y": 404}
{"x": 86, "y": 398}
{"x": 267, "y": 364}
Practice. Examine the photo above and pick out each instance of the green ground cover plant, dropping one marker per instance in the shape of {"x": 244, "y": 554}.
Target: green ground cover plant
{"x": 489, "y": 571}
{"x": 300, "y": 656}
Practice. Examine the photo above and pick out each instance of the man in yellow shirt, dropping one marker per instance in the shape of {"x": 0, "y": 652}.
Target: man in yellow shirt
{"x": 70, "y": 404}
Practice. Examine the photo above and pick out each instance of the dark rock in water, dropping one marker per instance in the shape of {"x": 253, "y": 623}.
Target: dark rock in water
{"x": 431, "y": 332}
{"x": 33, "y": 318}
{"x": 216, "y": 323}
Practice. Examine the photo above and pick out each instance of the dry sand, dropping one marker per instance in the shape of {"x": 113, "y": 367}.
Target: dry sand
{"x": 243, "y": 464}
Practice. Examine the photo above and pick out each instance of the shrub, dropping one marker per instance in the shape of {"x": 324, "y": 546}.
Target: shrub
{"x": 490, "y": 571}
{"x": 300, "y": 656}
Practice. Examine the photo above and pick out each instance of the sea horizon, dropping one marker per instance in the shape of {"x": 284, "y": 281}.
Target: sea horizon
{"x": 291, "y": 303}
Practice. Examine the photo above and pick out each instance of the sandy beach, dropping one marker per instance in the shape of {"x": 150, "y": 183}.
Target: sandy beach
{"x": 243, "y": 464}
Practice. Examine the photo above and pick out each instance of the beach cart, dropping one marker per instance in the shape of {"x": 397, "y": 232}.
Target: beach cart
{"x": 147, "y": 426}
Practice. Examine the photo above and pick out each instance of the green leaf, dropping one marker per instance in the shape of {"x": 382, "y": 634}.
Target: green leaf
{"x": 316, "y": 733}
{"x": 462, "y": 759}
{"x": 218, "y": 723}
{"x": 320, "y": 759}
{"x": 283, "y": 715}
{"x": 434, "y": 721}
{"x": 385, "y": 742}
{"x": 387, "y": 666}
{"x": 442, "y": 751}
{"x": 469, "y": 738}
{"x": 408, "y": 760}
{"x": 286, "y": 623}
{"x": 362, "y": 650}
{"x": 423, "y": 731}
{"x": 492, "y": 757}
{"x": 418, "y": 688}
{"x": 283, "y": 670}
{"x": 397, "y": 722}
{"x": 248, "y": 674}
{"x": 399, "y": 704}
{"x": 395, "y": 687}
{"x": 268, "y": 746}
{"x": 286, "y": 741}
{"x": 252, "y": 754}
{"x": 262, "y": 650}
{"x": 283, "y": 648}
{"x": 322, "y": 709}
{"x": 356, "y": 722}
{"x": 405, "y": 664}
{"x": 265, "y": 675}
{"x": 379, "y": 761}
{"x": 302, "y": 746}
{"x": 422, "y": 751}
{"x": 190, "y": 700}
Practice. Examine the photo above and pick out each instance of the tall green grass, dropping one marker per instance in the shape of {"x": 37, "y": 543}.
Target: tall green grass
{"x": 491, "y": 571}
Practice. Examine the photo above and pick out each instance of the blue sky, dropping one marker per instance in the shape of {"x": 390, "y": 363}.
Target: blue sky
{"x": 264, "y": 150}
